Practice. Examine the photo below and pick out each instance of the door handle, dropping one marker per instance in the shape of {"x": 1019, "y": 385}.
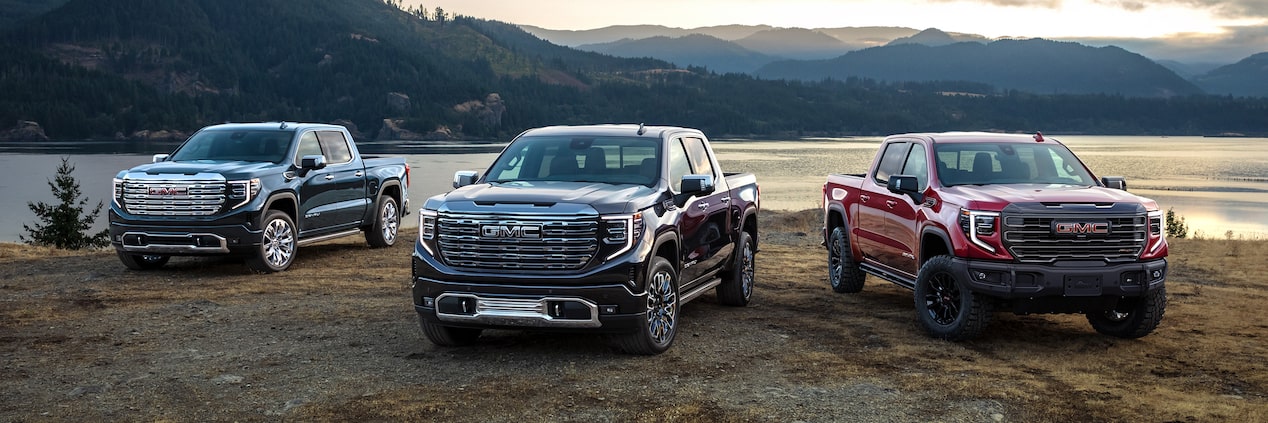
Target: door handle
{"x": 358, "y": 174}
{"x": 864, "y": 197}
{"x": 891, "y": 203}
{"x": 726, "y": 199}
{"x": 329, "y": 176}
{"x": 702, "y": 206}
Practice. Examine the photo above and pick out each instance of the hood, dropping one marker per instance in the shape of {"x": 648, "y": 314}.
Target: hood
{"x": 996, "y": 197}
{"x": 230, "y": 170}
{"x": 604, "y": 198}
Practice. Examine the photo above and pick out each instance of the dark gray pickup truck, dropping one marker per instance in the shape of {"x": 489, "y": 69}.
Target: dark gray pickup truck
{"x": 258, "y": 190}
{"x": 607, "y": 228}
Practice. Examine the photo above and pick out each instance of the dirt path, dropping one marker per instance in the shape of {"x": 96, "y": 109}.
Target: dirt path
{"x": 335, "y": 338}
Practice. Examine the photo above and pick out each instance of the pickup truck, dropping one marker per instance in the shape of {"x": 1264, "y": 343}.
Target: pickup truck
{"x": 601, "y": 228}
{"x": 257, "y": 190}
{"x": 979, "y": 222}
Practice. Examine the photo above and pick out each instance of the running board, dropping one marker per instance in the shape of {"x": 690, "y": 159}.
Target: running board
{"x": 700, "y": 290}
{"x": 887, "y": 275}
{"x": 307, "y": 241}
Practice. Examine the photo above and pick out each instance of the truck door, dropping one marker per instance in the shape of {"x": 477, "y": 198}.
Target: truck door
{"x": 901, "y": 218}
{"x": 333, "y": 198}
{"x": 704, "y": 227}
{"x": 873, "y": 228}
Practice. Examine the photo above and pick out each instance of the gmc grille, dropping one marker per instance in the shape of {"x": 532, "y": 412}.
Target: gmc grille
{"x": 173, "y": 197}
{"x": 520, "y": 242}
{"x": 1032, "y": 239}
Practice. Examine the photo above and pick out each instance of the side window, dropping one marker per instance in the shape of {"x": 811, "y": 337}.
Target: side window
{"x": 700, "y": 161}
{"x": 891, "y": 162}
{"x": 335, "y": 146}
{"x": 917, "y": 165}
{"x": 308, "y": 146}
{"x": 679, "y": 166}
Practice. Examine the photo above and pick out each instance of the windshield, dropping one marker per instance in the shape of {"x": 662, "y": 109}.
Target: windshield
{"x": 231, "y": 145}
{"x": 1008, "y": 163}
{"x": 613, "y": 160}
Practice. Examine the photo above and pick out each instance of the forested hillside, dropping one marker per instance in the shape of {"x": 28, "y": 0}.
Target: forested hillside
{"x": 97, "y": 69}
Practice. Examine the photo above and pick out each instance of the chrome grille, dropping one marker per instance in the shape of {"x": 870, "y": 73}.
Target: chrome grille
{"x": 173, "y": 197}
{"x": 516, "y": 241}
{"x": 1031, "y": 239}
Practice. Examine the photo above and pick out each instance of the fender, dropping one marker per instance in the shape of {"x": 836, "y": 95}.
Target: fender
{"x": 938, "y": 232}
{"x": 284, "y": 195}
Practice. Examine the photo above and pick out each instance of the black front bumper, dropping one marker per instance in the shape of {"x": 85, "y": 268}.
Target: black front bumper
{"x": 607, "y": 298}
{"x": 1071, "y": 279}
{"x": 233, "y": 234}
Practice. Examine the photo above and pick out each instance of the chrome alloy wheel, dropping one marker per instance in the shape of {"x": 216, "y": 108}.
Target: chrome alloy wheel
{"x": 391, "y": 221}
{"x": 662, "y": 307}
{"x": 279, "y": 243}
{"x": 747, "y": 269}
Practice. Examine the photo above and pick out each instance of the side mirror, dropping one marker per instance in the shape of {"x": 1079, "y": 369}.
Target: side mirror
{"x": 160, "y": 158}
{"x": 697, "y": 184}
{"x": 906, "y": 184}
{"x": 463, "y": 178}
{"x": 1115, "y": 182}
{"x": 311, "y": 162}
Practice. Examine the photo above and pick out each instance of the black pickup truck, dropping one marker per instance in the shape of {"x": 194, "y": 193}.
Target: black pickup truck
{"x": 258, "y": 190}
{"x": 604, "y": 228}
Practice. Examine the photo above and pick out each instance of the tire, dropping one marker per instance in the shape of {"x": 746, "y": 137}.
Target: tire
{"x": 142, "y": 261}
{"x": 944, "y": 304}
{"x": 844, "y": 274}
{"x": 277, "y": 244}
{"x": 657, "y": 332}
{"x": 737, "y": 284}
{"x": 387, "y": 221}
{"x": 1133, "y": 317}
{"x": 447, "y": 336}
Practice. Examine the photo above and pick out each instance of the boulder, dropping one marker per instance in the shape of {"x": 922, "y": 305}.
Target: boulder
{"x": 398, "y": 102}
{"x": 392, "y": 131}
{"x": 159, "y": 135}
{"x": 489, "y": 111}
{"x": 352, "y": 128}
{"x": 25, "y": 130}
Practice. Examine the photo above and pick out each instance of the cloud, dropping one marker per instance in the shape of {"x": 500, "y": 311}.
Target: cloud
{"x": 1225, "y": 9}
{"x": 1050, "y": 4}
{"x": 1134, "y": 6}
{"x": 1235, "y": 44}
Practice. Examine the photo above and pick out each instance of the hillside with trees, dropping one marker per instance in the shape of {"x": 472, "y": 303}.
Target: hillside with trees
{"x": 93, "y": 69}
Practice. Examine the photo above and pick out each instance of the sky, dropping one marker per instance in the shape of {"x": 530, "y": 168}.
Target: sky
{"x": 1190, "y": 28}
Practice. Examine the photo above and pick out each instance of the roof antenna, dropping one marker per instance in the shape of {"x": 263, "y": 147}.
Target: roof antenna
{"x": 283, "y": 125}
{"x": 641, "y": 128}
{"x": 1038, "y": 136}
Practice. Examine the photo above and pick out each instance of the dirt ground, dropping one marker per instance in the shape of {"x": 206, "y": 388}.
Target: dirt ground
{"x": 336, "y": 338}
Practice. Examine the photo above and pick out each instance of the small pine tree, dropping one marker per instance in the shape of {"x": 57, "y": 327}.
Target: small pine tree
{"x": 65, "y": 225}
{"x": 1175, "y": 225}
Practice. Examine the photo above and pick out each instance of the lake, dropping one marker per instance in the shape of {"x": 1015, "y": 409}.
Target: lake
{"x": 1216, "y": 184}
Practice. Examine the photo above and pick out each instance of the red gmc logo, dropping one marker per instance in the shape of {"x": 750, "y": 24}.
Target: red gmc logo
{"x": 168, "y": 190}
{"x": 1080, "y": 228}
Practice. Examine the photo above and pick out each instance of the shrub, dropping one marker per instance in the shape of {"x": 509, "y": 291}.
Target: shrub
{"x": 1175, "y": 225}
{"x": 65, "y": 225}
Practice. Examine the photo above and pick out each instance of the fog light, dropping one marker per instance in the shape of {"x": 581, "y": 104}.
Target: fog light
{"x": 429, "y": 302}
{"x": 1157, "y": 274}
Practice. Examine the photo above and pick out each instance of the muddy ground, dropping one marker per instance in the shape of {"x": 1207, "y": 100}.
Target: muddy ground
{"x": 336, "y": 338}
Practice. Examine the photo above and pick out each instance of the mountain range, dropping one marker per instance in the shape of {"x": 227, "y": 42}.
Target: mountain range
{"x": 129, "y": 68}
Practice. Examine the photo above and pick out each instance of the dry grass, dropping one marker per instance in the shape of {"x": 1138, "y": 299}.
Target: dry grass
{"x": 334, "y": 339}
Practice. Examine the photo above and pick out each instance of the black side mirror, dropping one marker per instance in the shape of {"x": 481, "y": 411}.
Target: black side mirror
{"x": 906, "y": 184}
{"x": 1115, "y": 182}
{"x": 311, "y": 162}
{"x": 463, "y": 178}
{"x": 697, "y": 184}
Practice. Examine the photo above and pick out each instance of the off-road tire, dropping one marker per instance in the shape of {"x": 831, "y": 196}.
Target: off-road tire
{"x": 1133, "y": 317}
{"x": 737, "y": 283}
{"x": 447, "y": 336}
{"x": 944, "y": 304}
{"x": 387, "y": 223}
{"x": 660, "y": 324}
{"x": 844, "y": 274}
{"x": 142, "y": 261}
{"x": 278, "y": 243}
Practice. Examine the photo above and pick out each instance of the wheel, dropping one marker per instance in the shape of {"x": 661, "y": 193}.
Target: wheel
{"x": 844, "y": 273}
{"x": 447, "y": 336}
{"x": 142, "y": 261}
{"x": 945, "y": 306}
{"x": 737, "y": 283}
{"x": 277, "y": 246}
{"x": 387, "y": 220}
{"x": 657, "y": 332}
{"x": 1132, "y": 317}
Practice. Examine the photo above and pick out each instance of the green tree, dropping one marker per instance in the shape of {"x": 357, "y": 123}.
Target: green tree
{"x": 65, "y": 225}
{"x": 1175, "y": 225}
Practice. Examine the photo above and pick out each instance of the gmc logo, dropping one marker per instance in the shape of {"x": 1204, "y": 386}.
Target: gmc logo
{"x": 1080, "y": 228}
{"x": 511, "y": 231}
{"x": 169, "y": 191}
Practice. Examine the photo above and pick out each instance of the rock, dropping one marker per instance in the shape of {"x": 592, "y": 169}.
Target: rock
{"x": 82, "y": 390}
{"x": 489, "y": 111}
{"x": 398, "y": 102}
{"x": 392, "y": 130}
{"x": 159, "y": 135}
{"x": 226, "y": 378}
{"x": 352, "y": 128}
{"x": 25, "y": 130}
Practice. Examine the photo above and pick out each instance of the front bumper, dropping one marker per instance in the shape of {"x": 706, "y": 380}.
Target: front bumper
{"x": 607, "y": 298}
{"x": 1021, "y": 281}
{"x": 222, "y": 236}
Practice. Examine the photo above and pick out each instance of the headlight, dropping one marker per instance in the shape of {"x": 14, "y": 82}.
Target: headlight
{"x": 118, "y": 192}
{"x": 427, "y": 229}
{"x": 244, "y": 191}
{"x": 623, "y": 232}
{"x": 978, "y": 224}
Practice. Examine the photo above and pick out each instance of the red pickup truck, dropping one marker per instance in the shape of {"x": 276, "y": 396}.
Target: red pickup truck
{"x": 979, "y": 222}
